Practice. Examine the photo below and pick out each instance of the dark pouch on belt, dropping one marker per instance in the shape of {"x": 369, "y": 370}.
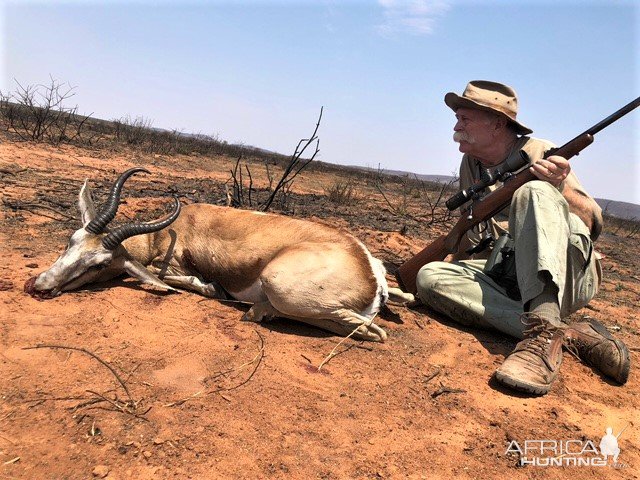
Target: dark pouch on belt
{"x": 501, "y": 266}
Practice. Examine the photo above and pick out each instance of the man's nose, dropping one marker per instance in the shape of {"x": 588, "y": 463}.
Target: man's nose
{"x": 458, "y": 126}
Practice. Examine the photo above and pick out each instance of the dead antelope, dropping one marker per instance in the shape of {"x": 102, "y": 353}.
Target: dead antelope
{"x": 286, "y": 267}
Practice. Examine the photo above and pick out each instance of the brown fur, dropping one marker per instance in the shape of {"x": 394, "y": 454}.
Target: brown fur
{"x": 246, "y": 242}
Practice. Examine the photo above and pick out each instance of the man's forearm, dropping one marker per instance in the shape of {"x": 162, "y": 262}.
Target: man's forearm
{"x": 586, "y": 208}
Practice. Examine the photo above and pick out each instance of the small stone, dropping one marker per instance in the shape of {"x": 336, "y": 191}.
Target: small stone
{"x": 100, "y": 471}
{"x": 158, "y": 441}
{"x": 147, "y": 454}
{"x": 32, "y": 265}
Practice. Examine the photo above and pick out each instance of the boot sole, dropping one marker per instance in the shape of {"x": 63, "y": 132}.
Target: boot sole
{"x": 520, "y": 385}
{"x": 624, "y": 351}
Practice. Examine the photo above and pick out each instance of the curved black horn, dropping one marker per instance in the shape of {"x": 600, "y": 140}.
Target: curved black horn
{"x": 118, "y": 235}
{"x": 108, "y": 211}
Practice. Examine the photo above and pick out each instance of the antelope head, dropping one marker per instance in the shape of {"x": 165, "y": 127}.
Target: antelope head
{"x": 95, "y": 253}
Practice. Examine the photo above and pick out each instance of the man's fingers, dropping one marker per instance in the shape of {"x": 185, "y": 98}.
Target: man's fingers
{"x": 543, "y": 169}
{"x": 551, "y": 171}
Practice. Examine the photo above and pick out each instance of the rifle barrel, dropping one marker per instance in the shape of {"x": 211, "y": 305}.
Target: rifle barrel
{"x": 613, "y": 117}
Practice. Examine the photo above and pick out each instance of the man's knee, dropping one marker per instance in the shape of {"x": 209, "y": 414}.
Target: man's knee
{"x": 537, "y": 204}
{"x": 430, "y": 277}
{"x": 537, "y": 189}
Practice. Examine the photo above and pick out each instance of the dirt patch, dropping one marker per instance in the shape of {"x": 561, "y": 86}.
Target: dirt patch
{"x": 209, "y": 396}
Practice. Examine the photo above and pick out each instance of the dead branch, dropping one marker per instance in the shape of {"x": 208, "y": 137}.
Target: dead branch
{"x": 51, "y": 399}
{"x": 237, "y": 197}
{"x": 401, "y": 208}
{"x": 8, "y": 171}
{"x": 444, "y": 389}
{"x": 85, "y": 404}
{"x": 435, "y": 203}
{"x": 129, "y": 407}
{"x": 257, "y": 361}
{"x": 332, "y": 354}
{"x": 295, "y": 165}
{"x": 183, "y": 400}
{"x": 30, "y": 207}
{"x": 92, "y": 355}
{"x": 250, "y": 183}
{"x": 433, "y": 375}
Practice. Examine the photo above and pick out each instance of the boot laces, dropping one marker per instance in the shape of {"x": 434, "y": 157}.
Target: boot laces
{"x": 577, "y": 347}
{"x": 584, "y": 350}
{"x": 539, "y": 333}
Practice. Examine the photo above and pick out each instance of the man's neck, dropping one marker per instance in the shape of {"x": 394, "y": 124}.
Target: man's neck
{"x": 497, "y": 152}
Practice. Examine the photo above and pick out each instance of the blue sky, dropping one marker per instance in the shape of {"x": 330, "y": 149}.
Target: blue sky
{"x": 258, "y": 72}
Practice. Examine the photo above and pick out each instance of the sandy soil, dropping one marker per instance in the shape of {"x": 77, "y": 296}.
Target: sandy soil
{"x": 196, "y": 393}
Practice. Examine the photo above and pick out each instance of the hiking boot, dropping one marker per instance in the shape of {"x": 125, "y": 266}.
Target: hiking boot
{"x": 594, "y": 345}
{"x": 534, "y": 363}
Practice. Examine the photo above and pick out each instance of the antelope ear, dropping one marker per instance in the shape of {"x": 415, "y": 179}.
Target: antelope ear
{"x": 137, "y": 270}
{"x": 85, "y": 204}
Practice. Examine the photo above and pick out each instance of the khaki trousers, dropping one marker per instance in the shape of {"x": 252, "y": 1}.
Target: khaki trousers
{"x": 547, "y": 238}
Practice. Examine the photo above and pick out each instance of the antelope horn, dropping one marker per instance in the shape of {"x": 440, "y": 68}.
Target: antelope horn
{"x": 118, "y": 235}
{"x": 108, "y": 212}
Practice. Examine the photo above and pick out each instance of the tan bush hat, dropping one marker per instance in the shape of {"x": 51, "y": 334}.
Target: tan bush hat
{"x": 491, "y": 96}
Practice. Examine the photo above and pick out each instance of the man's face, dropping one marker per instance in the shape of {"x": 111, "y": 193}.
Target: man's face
{"x": 473, "y": 130}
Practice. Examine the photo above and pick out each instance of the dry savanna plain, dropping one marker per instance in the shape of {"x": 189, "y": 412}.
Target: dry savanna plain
{"x": 129, "y": 382}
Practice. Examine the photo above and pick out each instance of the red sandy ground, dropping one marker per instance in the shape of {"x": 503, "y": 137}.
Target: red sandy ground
{"x": 373, "y": 411}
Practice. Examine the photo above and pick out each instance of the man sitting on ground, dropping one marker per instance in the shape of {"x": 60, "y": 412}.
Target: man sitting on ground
{"x": 552, "y": 223}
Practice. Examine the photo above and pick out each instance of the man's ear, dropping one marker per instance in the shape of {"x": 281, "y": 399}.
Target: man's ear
{"x": 85, "y": 204}
{"x": 501, "y": 122}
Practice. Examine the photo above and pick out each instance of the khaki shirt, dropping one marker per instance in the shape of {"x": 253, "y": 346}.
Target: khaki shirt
{"x": 470, "y": 172}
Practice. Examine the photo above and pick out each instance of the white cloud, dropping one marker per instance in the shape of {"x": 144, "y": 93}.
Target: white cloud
{"x": 417, "y": 17}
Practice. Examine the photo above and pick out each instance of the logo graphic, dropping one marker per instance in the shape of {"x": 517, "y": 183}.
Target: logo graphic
{"x": 569, "y": 453}
{"x": 609, "y": 445}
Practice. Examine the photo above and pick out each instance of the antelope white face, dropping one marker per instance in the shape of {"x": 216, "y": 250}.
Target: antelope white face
{"x": 95, "y": 254}
{"x": 84, "y": 261}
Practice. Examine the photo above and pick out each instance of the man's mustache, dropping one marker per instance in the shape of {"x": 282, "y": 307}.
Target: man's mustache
{"x": 462, "y": 137}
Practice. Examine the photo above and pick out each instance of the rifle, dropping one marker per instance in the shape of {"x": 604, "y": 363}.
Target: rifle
{"x": 483, "y": 208}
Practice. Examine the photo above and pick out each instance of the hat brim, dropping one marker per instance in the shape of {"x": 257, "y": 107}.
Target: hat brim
{"x": 455, "y": 101}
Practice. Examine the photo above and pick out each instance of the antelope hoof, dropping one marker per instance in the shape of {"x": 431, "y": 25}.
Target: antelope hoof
{"x": 398, "y": 297}
{"x": 256, "y": 314}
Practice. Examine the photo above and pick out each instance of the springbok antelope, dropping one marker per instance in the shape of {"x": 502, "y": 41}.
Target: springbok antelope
{"x": 286, "y": 267}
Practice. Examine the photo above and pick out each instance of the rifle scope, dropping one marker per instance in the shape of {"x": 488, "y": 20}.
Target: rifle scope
{"x": 513, "y": 163}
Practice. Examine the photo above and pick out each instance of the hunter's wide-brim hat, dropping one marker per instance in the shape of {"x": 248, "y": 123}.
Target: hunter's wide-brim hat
{"x": 491, "y": 96}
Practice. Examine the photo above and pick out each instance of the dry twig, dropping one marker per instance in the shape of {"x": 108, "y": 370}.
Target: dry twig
{"x": 92, "y": 355}
{"x": 333, "y": 354}
{"x": 129, "y": 407}
{"x": 295, "y": 165}
{"x": 257, "y": 360}
{"x": 433, "y": 375}
{"x": 31, "y": 207}
{"x": 444, "y": 389}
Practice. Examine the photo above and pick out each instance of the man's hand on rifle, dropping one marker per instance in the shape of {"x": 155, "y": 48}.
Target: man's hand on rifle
{"x": 553, "y": 169}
